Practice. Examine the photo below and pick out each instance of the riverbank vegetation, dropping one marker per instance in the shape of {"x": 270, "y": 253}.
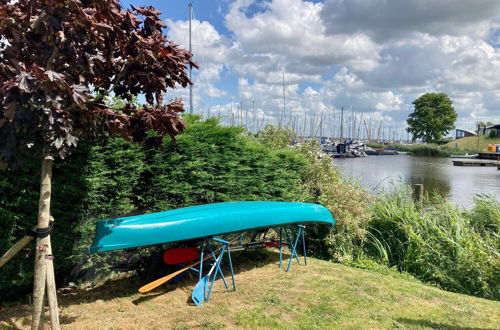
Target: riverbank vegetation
{"x": 442, "y": 244}
{"x": 425, "y": 149}
{"x": 468, "y": 145}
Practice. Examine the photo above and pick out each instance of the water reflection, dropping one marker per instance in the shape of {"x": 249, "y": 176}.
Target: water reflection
{"x": 458, "y": 184}
{"x": 433, "y": 176}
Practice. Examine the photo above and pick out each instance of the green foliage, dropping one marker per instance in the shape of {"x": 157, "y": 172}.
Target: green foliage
{"x": 433, "y": 116}
{"x": 443, "y": 244}
{"x": 212, "y": 163}
{"x": 276, "y": 136}
{"x": 493, "y": 134}
{"x": 425, "y": 149}
{"x": 94, "y": 183}
{"x": 323, "y": 184}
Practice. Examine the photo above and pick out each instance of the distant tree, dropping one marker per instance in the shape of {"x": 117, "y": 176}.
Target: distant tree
{"x": 59, "y": 60}
{"x": 485, "y": 124}
{"x": 433, "y": 116}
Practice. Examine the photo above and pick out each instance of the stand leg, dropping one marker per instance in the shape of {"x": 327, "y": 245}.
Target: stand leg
{"x": 294, "y": 252}
{"x": 281, "y": 245}
{"x": 304, "y": 245}
{"x": 231, "y": 268}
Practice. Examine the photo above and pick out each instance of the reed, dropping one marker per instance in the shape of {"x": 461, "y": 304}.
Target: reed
{"x": 444, "y": 244}
{"x": 424, "y": 149}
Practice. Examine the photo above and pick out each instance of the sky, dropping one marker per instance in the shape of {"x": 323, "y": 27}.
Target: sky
{"x": 371, "y": 57}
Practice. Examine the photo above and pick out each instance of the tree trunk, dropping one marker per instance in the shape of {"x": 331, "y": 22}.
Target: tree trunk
{"x": 43, "y": 249}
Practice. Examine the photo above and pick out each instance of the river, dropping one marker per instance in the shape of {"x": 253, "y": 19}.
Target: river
{"x": 458, "y": 184}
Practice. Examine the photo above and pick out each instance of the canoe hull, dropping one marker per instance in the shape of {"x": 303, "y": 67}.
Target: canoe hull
{"x": 203, "y": 221}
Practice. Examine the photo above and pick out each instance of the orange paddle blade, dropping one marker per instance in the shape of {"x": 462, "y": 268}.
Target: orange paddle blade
{"x": 150, "y": 286}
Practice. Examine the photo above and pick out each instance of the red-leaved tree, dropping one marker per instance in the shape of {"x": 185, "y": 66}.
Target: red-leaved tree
{"x": 59, "y": 59}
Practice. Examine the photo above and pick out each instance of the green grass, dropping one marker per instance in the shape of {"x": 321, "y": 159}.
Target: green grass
{"x": 321, "y": 295}
{"x": 470, "y": 143}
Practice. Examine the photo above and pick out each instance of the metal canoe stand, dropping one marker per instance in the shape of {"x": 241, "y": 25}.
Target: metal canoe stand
{"x": 215, "y": 270}
{"x": 293, "y": 246}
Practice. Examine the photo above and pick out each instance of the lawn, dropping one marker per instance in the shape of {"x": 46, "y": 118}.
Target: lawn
{"x": 470, "y": 143}
{"x": 321, "y": 295}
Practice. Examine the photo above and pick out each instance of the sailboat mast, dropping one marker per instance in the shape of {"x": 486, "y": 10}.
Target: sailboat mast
{"x": 284, "y": 100}
{"x": 190, "y": 67}
{"x": 341, "y": 124}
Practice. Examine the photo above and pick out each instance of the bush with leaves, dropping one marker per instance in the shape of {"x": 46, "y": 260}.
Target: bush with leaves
{"x": 213, "y": 163}
{"x": 96, "y": 182}
{"x": 324, "y": 184}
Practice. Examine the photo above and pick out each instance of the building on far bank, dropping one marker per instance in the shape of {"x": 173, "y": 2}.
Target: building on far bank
{"x": 485, "y": 130}
{"x": 461, "y": 133}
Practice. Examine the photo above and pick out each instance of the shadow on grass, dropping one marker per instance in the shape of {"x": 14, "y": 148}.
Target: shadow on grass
{"x": 242, "y": 261}
{"x": 24, "y": 312}
{"x": 433, "y": 325}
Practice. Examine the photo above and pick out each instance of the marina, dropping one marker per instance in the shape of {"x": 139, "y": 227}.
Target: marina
{"x": 458, "y": 184}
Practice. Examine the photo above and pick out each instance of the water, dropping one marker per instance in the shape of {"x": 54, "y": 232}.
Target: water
{"x": 457, "y": 183}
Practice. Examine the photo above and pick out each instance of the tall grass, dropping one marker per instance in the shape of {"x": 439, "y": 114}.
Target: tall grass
{"x": 457, "y": 249}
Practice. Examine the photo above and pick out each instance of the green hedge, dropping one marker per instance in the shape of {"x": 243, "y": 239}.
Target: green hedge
{"x": 95, "y": 182}
{"x": 210, "y": 163}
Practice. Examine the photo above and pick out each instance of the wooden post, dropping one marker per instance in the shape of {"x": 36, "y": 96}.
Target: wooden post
{"x": 43, "y": 250}
{"x": 419, "y": 193}
{"x": 15, "y": 249}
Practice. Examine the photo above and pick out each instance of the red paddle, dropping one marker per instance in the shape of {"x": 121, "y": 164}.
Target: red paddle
{"x": 181, "y": 255}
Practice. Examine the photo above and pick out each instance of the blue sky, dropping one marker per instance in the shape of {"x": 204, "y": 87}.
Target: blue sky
{"x": 373, "y": 56}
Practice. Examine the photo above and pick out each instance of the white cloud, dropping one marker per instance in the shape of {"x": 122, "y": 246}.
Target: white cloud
{"x": 376, "y": 56}
{"x": 292, "y": 31}
{"x": 389, "y": 19}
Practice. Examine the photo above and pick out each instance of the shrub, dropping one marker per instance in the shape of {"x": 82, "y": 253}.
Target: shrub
{"x": 323, "y": 184}
{"x": 212, "y": 163}
{"x": 94, "y": 183}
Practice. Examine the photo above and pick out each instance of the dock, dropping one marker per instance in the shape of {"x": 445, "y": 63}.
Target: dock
{"x": 476, "y": 162}
{"x": 489, "y": 155}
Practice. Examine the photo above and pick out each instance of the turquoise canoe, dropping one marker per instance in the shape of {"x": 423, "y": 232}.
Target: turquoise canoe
{"x": 203, "y": 221}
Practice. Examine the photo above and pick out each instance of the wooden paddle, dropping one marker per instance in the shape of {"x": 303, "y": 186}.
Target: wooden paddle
{"x": 150, "y": 286}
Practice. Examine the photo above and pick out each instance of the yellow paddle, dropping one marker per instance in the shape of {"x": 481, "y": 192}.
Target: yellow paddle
{"x": 150, "y": 286}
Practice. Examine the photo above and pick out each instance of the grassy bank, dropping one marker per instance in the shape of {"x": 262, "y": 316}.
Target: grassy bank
{"x": 454, "y": 248}
{"x": 321, "y": 295}
{"x": 471, "y": 143}
{"x": 443, "y": 245}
